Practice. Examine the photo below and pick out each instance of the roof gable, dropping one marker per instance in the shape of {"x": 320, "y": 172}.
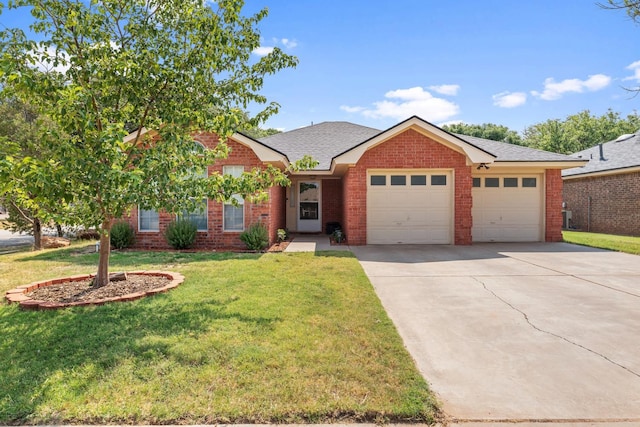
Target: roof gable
{"x": 473, "y": 153}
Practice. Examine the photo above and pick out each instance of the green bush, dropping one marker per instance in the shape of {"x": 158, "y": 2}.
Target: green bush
{"x": 256, "y": 237}
{"x": 282, "y": 234}
{"x": 122, "y": 235}
{"x": 181, "y": 234}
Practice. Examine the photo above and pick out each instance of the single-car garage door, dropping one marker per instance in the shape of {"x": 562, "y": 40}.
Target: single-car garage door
{"x": 409, "y": 207}
{"x": 507, "y": 208}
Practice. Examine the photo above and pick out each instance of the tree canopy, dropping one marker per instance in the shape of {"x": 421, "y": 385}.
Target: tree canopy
{"x": 101, "y": 68}
{"x": 579, "y": 131}
{"x": 487, "y": 131}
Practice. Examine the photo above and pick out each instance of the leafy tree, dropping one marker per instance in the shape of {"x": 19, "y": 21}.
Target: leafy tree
{"x": 103, "y": 67}
{"x": 257, "y": 132}
{"x": 579, "y": 131}
{"x": 486, "y": 131}
{"x": 20, "y": 126}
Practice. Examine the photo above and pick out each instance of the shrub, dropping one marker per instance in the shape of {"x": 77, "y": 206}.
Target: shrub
{"x": 181, "y": 234}
{"x": 282, "y": 234}
{"x": 256, "y": 237}
{"x": 122, "y": 235}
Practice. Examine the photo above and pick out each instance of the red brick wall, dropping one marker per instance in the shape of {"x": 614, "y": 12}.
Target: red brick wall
{"x": 331, "y": 201}
{"x": 615, "y": 203}
{"x": 277, "y": 216}
{"x": 409, "y": 149}
{"x": 553, "y": 205}
{"x": 214, "y": 237}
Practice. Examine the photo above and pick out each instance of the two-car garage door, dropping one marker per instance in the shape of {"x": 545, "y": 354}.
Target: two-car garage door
{"x": 409, "y": 206}
{"x": 416, "y": 206}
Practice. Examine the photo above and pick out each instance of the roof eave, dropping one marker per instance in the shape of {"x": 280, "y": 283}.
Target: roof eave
{"x": 547, "y": 164}
{"x": 616, "y": 171}
{"x": 263, "y": 152}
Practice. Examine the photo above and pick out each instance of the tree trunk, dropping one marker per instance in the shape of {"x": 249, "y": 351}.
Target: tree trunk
{"x": 102, "y": 277}
{"x": 37, "y": 234}
{"x": 60, "y": 231}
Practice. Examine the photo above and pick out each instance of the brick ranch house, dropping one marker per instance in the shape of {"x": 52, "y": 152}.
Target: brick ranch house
{"x": 413, "y": 183}
{"x": 603, "y": 196}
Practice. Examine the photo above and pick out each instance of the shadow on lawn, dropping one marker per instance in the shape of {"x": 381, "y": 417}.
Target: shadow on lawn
{"x": 74, "y": 349}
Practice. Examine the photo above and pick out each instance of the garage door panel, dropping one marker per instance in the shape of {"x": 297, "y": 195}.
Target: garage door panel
{"x": 508, "y": 214}
{"x": 409, "y": 214}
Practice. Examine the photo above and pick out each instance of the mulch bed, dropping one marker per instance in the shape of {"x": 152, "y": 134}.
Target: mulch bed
{"x": 83, "y": 291}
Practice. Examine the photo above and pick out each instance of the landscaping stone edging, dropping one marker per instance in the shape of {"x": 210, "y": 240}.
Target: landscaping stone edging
{"x": 18, "y": 294}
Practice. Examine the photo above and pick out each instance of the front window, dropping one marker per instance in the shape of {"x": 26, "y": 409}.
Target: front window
{"x": 198, "y": 216}
{"x": 233, "y": 214}
{"x": 148, "y": 220}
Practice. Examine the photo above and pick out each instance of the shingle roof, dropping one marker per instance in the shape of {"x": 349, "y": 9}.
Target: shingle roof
{"x": 515, "y": 153}
{"x": 617, "y": 155}
{"x": 326, "y": 140}
{"x": 322, "y": 141}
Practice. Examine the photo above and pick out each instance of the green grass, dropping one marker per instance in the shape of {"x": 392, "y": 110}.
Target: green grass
{"x": 628, "y": 244}
{"x": 247, "y": 338}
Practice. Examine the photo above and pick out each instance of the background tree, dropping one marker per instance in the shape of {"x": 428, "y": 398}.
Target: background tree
{"x": 579, "y": 131}
{"x": 487, "y": 131}
{"x": 20, "y": 126}
{"x": 174, "y": 66}
{"x": 255, "y": 131}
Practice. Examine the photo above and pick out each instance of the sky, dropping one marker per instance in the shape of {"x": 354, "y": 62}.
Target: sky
{"x": 514, "y": 63}
{"x": 378, "y": 62}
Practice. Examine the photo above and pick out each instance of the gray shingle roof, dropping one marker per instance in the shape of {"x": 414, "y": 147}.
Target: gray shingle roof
{"x": 617, "y": 155}
{"x": 515, "y": 153}
{"x": 326, "y": 140}
{"x": 322, "y": 141}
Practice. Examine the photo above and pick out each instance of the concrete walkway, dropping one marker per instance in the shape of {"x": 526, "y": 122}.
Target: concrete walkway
{"x": 313, "y": 243}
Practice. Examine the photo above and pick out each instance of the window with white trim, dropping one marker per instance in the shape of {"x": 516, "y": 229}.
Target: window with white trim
{"x": 233, "y": 214}
{"x": 148, "y": 220}
{"x": 198, "y": 216}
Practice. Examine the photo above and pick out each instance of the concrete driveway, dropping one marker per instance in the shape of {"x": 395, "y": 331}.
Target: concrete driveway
{"x": 544, "y": 332}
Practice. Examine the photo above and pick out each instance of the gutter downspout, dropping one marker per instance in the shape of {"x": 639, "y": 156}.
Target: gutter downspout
{"x": 589, "y": 214}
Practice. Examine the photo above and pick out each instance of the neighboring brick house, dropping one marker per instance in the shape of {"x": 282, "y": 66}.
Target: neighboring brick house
{"x": 603, "y": 196}
{"x": 411, "y": 183}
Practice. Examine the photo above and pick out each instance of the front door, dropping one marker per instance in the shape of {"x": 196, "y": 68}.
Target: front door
{"x": 309, "y": 210}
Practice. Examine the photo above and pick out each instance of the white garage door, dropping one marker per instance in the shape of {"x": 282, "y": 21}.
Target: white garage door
{"x": 409, "y": 207}
{"x": 507, "y": 208}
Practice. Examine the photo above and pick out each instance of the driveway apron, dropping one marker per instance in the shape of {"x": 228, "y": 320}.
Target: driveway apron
{"x": 521, "y": 332}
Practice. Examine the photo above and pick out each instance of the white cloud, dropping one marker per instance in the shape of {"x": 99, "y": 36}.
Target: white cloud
{"x": 509, "y": 99}
{"x": 554, "y": 90}
{"x": 449, "y": 123}
{"x": 445, "y": 89}
{"x": 403, "y": 103}
{"x": 351, "y": 109}
{"x": 263, "y": 50}
{"x": 635, "y": 67}
{"x": 288, "y": 43}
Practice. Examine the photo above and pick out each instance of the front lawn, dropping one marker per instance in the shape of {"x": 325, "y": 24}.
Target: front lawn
{"x": 247, "y": 338}
{"x": 628, "y": 244}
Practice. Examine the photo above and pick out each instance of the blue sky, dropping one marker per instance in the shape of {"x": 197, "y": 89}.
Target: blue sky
{"x": 514, "y": 63}
{"x": 510, "y": 62}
